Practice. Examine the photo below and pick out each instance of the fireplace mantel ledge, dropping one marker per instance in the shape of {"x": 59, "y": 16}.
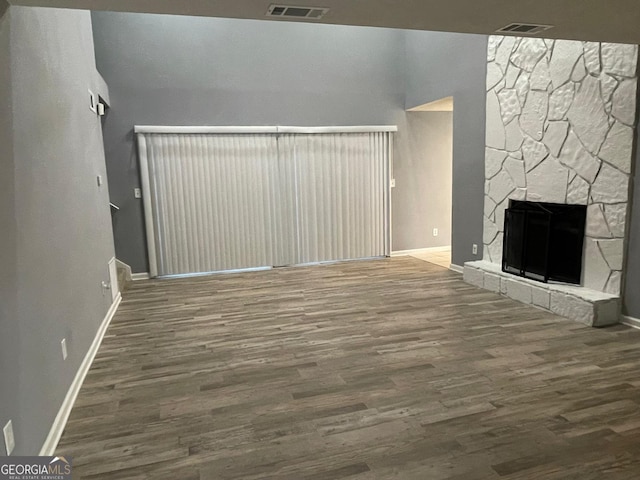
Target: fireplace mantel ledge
{"x": 584, "y": 305}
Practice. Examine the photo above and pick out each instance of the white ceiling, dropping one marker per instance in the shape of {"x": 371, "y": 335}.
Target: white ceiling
{"x": 601, "y": 20}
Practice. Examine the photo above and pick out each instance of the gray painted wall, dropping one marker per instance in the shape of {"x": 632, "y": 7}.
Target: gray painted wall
{"x": 423, "y": 182}
{"x": 441, "y": 65}
{"x": 193, "y": 71}
{"x": 631, "y": 299}
{"x": 9, "y": 327}
{"x": 56, "y": 238}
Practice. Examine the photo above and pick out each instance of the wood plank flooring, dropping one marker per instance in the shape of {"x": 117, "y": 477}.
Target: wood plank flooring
{"x": 387, "y": 369}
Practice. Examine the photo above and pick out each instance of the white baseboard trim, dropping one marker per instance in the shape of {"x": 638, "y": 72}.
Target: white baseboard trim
{"x": 140, "y": 276}
{"x": 51, "y": 442}
{"x": 402, "y": 253}
{"x": 630, "y": 321}
{"x": 456, "y": 268}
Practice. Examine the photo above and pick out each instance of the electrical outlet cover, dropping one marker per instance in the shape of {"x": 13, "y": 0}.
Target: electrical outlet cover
{"x": 9, "y": 439}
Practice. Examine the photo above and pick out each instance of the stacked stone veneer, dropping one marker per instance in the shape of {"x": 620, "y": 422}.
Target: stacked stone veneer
{"x": 560, "y": 128}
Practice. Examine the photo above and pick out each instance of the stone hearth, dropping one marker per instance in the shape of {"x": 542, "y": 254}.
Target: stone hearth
{"x": 560, "y": 129}
{"x": 593, "y": 308}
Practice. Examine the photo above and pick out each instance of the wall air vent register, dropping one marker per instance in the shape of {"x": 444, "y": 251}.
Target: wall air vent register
{"x": 290, "y": 11}
{"x": 524, "y": 28}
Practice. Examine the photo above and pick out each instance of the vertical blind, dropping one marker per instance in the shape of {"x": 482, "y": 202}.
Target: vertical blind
{"x": 341, "y": 180}
{"x": 222, "y": 200}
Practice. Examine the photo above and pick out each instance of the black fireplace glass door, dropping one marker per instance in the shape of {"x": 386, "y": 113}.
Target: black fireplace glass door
{"x": 567, "y": 237}
{"x": 513, "y": 248}
{"x": 537, "y": 245}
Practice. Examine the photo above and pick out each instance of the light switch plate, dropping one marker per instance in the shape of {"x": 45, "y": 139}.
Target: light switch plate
{"x": 474, "y": 249}
{"x": 99, "y": 180}
{"x": 393, "y": 183}
{"x": 9, "y": 439}
{"x": 63, "y": 344}
{"x": 92, "y": 102}
{"x": 137, "y": 192}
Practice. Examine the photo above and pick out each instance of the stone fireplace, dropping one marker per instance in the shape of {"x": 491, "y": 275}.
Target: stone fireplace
{"x": 560, "y": 128}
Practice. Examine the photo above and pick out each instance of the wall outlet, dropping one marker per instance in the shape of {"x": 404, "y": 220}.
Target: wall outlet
{"x": 137, "y": 192}
{"x": 393, "y": 183}
{"x": 9, "y": 439}
{"x": 474, "y": 249}
{"x": 63, "y": 344}
{"x": 435, "y": 232}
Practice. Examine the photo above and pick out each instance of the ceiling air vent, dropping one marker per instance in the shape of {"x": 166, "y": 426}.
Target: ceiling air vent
{"x": 289, "y": 11}
{"x": 524, "y": 28}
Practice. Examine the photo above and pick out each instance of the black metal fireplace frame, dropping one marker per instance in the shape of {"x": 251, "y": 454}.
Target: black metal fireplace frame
{"x": 553, "y": 217}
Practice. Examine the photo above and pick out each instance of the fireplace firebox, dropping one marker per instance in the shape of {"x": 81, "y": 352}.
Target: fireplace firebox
{"x": 543, "y": 241}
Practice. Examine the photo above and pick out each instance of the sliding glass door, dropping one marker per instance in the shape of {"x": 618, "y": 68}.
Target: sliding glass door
{"x": 340, "y": 195}
{"x": 221, "y": 200}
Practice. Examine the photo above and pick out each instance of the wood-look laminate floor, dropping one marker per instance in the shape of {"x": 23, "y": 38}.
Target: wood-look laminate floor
{"x": 387, "y": 369}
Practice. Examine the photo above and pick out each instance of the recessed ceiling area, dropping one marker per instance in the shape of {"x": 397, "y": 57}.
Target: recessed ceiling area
{"x": 595, "y": 20}
{"x": 442, "y": 105}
